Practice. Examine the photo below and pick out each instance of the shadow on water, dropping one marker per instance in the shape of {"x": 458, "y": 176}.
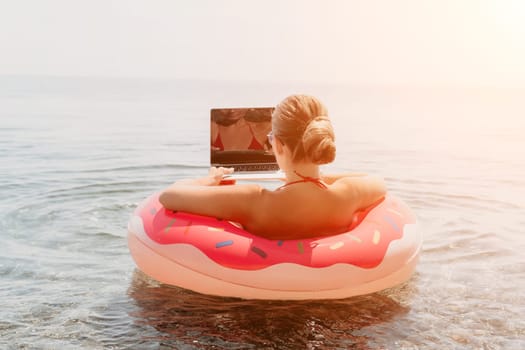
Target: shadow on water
{"x": 186, "y": 319}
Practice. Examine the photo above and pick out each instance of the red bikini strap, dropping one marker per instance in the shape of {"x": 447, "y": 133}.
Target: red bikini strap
{"x": 314, "y": 180}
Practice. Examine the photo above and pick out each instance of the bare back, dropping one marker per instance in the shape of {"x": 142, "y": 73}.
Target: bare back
{"x": 306, "y": 210}
{"x": 299, "y": 210}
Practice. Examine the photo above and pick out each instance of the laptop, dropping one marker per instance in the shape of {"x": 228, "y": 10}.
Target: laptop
{"x": 238, "y": 140}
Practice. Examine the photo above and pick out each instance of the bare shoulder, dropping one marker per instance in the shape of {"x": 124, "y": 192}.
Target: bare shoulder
{"x": 344, "y": 183}
{"x": 353, "y": 180}
{"x": 362, "y": 190}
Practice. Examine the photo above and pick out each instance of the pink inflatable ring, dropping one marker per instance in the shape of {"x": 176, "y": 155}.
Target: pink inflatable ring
{"x": 217, "y": 257}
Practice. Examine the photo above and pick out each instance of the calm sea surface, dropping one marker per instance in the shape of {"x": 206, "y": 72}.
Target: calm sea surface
{"x": 77, "y": 156}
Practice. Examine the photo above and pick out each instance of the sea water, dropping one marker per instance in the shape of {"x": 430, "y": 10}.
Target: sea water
{"x": 78, "y": 154}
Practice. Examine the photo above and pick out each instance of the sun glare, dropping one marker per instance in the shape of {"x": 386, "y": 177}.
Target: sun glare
{"x": 509, "y": 16}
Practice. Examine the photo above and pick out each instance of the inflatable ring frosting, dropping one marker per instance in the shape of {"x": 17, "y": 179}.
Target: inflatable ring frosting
{"x": 217, "y": 257}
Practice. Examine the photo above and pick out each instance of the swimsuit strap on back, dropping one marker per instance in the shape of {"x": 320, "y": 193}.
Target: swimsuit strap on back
{"x": 314, "y": 180}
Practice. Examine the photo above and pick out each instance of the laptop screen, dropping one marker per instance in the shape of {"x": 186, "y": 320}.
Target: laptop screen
{"x": 238, "y": 139}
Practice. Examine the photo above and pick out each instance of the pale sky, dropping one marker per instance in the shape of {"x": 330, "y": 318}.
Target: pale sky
{"x": 462, "y": 42}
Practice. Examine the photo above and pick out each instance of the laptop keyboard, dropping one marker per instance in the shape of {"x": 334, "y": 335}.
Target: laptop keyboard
{"x": 256, "y": 167}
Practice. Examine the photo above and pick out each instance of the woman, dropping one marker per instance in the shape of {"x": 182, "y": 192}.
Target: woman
{"x": 308, "y": 204}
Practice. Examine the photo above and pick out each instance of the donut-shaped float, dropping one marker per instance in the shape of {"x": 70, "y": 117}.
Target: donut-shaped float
{"x": 217, "y": 257}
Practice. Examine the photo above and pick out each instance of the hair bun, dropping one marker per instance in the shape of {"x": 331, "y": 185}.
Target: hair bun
{"x": 319, "y": 140}
{"x": 301, "y": 122}
{"x": 320, "y": 118}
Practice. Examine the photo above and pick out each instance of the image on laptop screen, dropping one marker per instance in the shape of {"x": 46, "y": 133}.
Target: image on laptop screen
{"x": 238, "y": 139}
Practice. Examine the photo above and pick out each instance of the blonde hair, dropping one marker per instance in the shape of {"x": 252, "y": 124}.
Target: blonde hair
{"x": 302, "y": 123}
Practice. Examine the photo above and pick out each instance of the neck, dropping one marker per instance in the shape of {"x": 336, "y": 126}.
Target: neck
{"x": 305, "y": 169}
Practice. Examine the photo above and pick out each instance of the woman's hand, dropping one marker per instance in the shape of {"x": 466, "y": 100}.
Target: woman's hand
{"x": 216, "y": 176}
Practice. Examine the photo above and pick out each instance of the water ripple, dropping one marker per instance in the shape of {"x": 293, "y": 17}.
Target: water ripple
{"x": 68, "y": 187}
{"x": 188, "y": 317}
